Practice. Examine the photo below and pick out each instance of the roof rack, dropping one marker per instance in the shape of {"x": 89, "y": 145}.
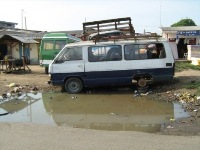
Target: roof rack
{"x": 114, "y": 29}
{"x": 136, "y": 37}
{"x": 120, "y": 24}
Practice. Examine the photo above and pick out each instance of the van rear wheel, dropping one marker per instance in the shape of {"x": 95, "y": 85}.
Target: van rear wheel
{"x": 141, "y": 82}
{"x": 73, "y": 85}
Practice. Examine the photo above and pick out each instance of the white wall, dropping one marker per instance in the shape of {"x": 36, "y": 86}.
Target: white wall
{"x": 169, "y": 35}
{"x": 15, "y": 51}
{"x": 193, "y": 51}
{"x": 34, "y": 52}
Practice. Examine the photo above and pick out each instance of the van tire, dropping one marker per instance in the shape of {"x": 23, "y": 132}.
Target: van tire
{"x": 46, "y": 70}
{"x": 73, "y": 85}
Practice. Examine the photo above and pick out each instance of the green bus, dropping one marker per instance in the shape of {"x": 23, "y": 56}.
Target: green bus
{"x": 51, "y": 45}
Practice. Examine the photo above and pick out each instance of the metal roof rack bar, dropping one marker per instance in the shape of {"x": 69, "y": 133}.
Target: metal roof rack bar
{"x": 137, "y": 36}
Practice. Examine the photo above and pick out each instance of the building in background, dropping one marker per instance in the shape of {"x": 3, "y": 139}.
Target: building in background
{"x": 182, "y": 36}
{"x": 7, "y": 25}
{"x": 20, "y": 42}
{"x": 17, "y": 43}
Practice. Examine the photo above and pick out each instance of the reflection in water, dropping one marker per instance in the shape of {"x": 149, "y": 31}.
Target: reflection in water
{"x": 18, "y": 102}
{"x": 108, "y": 112}
{"x": 27, "y": 107}
{"x": 179, "y": 112}
{"x": 92, "y": 111}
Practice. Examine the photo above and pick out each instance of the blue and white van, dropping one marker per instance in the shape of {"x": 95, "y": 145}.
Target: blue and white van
{"x": 111, "y": 63}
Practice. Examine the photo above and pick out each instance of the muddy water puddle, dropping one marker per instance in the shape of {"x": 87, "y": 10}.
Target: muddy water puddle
{"x": 116, "y": 112}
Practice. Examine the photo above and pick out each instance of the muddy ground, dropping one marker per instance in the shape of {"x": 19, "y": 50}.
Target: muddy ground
{"x": 171, "y": 91}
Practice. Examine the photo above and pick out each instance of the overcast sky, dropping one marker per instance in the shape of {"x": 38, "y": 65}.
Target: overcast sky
{"x": 65, "y": 15}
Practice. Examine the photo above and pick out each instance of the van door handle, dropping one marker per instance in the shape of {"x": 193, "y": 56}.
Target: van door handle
{"x": 169, "y": 64}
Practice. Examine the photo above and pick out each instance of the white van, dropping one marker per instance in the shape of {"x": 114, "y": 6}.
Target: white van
{"x": 111, "y": 63}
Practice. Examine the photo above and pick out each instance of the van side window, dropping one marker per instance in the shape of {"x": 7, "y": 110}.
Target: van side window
{"x": 60, "y": 44}
{"x": 48, "y": 45}
{"x": 104, "y": 53}
{"x": 144, "y": 51}
{"x": 134, "y": 52}
{"x": 69, "y": 54}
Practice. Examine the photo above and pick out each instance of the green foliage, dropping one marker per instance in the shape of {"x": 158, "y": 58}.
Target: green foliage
{"x": 184, "y": 22}
{"x": 193, "y": 85}
{"x": 180, "y": 66}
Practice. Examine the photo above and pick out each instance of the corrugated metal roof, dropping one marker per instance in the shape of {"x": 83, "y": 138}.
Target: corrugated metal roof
{"x": 8, "y": 22}
{"x": 25, "y": 33}
{"x": 23, "y": 39}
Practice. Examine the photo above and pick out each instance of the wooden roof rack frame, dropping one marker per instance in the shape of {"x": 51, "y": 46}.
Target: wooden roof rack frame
{"x": 123, "y": 25}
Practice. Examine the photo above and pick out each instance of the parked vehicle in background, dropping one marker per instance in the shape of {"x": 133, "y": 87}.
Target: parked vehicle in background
{"x": 51, "y": 45}
{"x": 112, "y": 63}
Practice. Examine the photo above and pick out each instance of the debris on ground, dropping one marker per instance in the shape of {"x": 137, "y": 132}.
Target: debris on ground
{"x": 11, "y": 85}
{"x": 185, "y": 97}
{"x": 15, "y": 88}
{"x": 14, "y": 91}
{"x": 189, "y": 101}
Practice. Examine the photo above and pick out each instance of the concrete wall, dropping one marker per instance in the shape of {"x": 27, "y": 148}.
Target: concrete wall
{"x": 169, "y": 35}
{"x": 34, "y": 53}
{"x": 194, "y": 54}
{"x": 14, "y": 51}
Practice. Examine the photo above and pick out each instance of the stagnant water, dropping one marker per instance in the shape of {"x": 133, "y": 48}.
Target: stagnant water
{"x": 99, "y": 111}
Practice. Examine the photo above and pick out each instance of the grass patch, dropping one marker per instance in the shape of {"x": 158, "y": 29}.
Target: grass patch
{"x": 180, "y": 66}
{"x": 185, "y": 65}
{"x": 194, "y": 85}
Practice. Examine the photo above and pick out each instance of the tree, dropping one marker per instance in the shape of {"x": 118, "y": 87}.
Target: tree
{"x": 184, "y": 22}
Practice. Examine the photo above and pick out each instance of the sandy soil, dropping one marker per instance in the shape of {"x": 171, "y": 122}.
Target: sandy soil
{"x": 37, "y": 80}
{"x": 29, "y": 80}
{"x": 17, "y": 136}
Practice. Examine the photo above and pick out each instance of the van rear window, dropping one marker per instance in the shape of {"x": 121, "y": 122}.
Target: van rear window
{"x": 144, "y": 51}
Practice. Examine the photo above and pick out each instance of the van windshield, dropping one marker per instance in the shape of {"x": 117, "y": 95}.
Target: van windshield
{"x": 69, "y": 54}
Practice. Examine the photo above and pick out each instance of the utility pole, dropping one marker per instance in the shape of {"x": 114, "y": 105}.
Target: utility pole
{"x": 22, "y": 14}
{"x": 25, "y": 24}
{"x": 160, "y": 13}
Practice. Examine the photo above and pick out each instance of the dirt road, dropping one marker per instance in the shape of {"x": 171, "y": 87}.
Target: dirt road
{"x": 16, "y": 136}
{"x": 30, "y": 136}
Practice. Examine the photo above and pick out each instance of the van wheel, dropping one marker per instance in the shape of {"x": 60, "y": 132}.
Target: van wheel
{"x": 141, "y": 82}
{"x": 46, "y": 70}
{"x": 73, "y": 85}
